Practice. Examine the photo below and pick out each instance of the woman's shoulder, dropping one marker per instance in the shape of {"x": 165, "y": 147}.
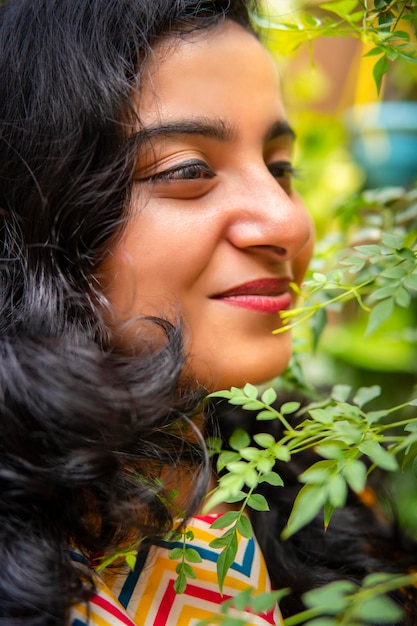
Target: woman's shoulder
{"x": 146, "y": 596}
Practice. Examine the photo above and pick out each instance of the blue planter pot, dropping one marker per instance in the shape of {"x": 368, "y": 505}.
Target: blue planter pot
{"x": 384, "y": 142}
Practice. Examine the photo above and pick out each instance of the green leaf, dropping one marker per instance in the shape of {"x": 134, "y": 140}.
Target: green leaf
{"x": 263, "y": 602}
{"x": 221, "y": 394}
{"x": 131, "y": 558}
{"x": 332, "y": 598}
{"x": 265, "y": 440}
{"x": 411, "y": 281}
{"x": 332, "y": 449}
{"x": 254, "y": 405}
{"x": 318, "y": 472}
{"x": 374, "y": 52}
{"x": 366, "y": 394}
{"x": 355, "y": 473}
{"x": 307, "y": 504}
{"x": 266, "y": 415}
{"x": 225, "y": 560}
{"x": 377, "y": 578}
{"x": 392, "y": 241}
{"x": 342, "y": 8}
{"x": 175, "y": 554}
{"x": 272, "y": 478}
{"x": 244, "y": 526}
{"x": 191, "y": 555}
{"x": 379, "y": 455}
{"x": 188, "y": 570}
{"x": 375, "y": 416}
{"x": 379, "y": 314}
{"x": 324, "y": 416}
{"x": 353, "y": 260}
{"x": 289, "y": 407}
{"x": 341, "y": 393}
{"x": 264, "y": 465}
{"x": 402, "y": 297}
{"x": 251, "y": 453}
{"x": 383, "y": 292}
{"x": 269, "y": 396}
{"x": 225, "y": 520}
{"x": 369, "y": 249}
{"x": 380, "y": 68}
{"x": 320, "y": 278}
{"x": 238, "y": 497}
{"x": 219, "y": 496}
{"x": 328, "y": 511}
{"x": 258, "y": 502}
{"x": 238, "y": 400}
{"x": 337, "y": 491}
{"x": 180, "y": 584}
{"x": 250, "y": 391}
{"x": 239, "y": 439}
{"x": 220, "y": 542}
{"x": 226, "y": 457}
{"x": 378, "y": 609}
{"x": 281, "y": 453}
{"x": 242, "y": 600}
{"x": 399, "y": 271}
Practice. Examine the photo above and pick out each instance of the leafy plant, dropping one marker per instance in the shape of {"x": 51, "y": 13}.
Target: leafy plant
{"x": 388, "y": 28}
{"x": 341, "y": 432}
{"x": 340, "y": 603}
{"x": 185, "y": 555}
{"x": 232, "y": 612}
{"x": 380, "y": 274}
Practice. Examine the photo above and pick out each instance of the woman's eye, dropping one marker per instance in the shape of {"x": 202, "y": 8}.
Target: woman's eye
{"x": 283, "y": 171}
{"x": 194, "y": 170}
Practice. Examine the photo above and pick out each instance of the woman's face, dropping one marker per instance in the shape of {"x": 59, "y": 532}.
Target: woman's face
{"x": 216, "y": 232}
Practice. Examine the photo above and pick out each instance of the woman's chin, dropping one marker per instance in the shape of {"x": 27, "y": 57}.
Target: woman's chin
{"x": 238, "y": 372}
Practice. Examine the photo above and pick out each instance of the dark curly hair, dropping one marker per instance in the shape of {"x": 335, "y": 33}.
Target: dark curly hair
{"x": 86, "y": 430}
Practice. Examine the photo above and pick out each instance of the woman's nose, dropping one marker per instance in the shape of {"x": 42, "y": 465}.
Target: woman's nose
{"x": 269, "y": 219}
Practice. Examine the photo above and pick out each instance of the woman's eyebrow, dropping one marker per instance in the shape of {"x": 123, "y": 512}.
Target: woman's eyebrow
{"x": 207, "y": 127}
{"x": 278, "y": 129}
{"x": 214, "y": 128}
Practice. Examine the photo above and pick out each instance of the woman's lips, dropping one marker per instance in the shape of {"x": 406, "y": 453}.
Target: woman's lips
{"x": 270, "y": 295}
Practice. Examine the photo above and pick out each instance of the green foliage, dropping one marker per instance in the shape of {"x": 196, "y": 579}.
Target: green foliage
{"x": 340, "y": 431}
{"x": 232, "y": 611}
{"x": 384, "y": 25}
{"x": 381, "y": 274}
{"x": 377, "y": 269}
{"x": 184, "y": 555}
{"x": 342, "y": 603}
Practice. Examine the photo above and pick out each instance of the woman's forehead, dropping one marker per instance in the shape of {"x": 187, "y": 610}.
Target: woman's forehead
{"x": 221, "y": 75}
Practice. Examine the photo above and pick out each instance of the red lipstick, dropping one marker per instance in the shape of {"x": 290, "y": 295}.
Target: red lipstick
{"x": 270, "y": 295}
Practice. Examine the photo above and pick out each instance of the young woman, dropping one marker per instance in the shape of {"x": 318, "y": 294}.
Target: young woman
{"x": 149, "y": 236}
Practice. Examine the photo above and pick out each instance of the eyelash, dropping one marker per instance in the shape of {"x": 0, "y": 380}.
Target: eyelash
{"x": 197, "y": 170}
{"x": 192, "y": 170}
{"x": 282, "y": 169}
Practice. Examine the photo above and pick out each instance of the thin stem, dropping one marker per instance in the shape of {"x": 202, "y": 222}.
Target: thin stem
{"x": 300, "y": 618}
{"x": 309, "y": 310}
{"x": 280, "y": 417}
{"x": 401, "y": 423}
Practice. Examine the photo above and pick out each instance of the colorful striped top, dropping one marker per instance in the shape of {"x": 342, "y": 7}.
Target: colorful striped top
{"x": 146, "y": 595}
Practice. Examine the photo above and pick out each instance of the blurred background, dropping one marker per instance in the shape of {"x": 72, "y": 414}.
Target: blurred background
{"x": 349, "y": 78}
